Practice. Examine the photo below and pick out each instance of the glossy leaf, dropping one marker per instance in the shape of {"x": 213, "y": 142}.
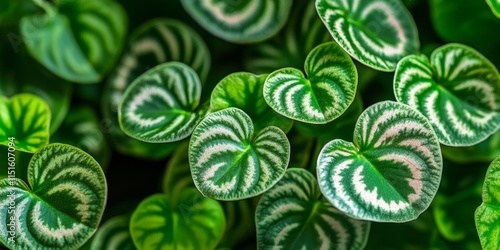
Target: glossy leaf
{"x": 291, "y": 216}
{"x": 377, "y": 33}
{"x": 458, "y": 90}
{"x": 113, "y": 234}
{"x": 240, "y": 21}
{"x": 494, "y": 6}
{"x": 229, "y": 162}
{"x": 487, "y": 215}
{"x": 61, "y": 207}
{"x": 326, "y": 93}
{"x": 26, "y": 118}
{"x": 392, "y": 170}
{"x": 195, "y": 223}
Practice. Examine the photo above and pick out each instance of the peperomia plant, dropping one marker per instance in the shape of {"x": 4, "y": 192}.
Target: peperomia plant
{"x": 249, "y": 124}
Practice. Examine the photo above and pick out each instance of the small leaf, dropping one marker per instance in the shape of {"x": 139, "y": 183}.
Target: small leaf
{"x": 291, "y": 216}
{"x": 25, "y": 117}
{"x": 242, "y": 21}
{"x": 457, "y": 89}
{"x": 161, "y": 105}
{"x": 229, "y": 162}
{"x": 377, "y": 33}
{"x": 327, "y": 92}
{"x": 494, "y": 6}
{"x": 392, "y": 170}
{"x": 113, "y": 234}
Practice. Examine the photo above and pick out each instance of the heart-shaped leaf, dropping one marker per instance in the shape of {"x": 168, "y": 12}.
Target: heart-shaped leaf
{"x": 195, "y": 223}
{"x": 113, "y": 234}
{"x": 161, "y": 105}
{"x": 26, "y": 118}
{"x": 457, "y": 89}
{"x": 494, "y": 6}
{"x": 378, "y": 33}
{"x": 291, "y": 216}
{"x": 327, "y": 92}
{"x": 229, "y": 162}
{"x": 487, "y": 215}
{"x": 64, "y": 205}
{"x": 392, "y": 170}
{"x": 241, "y": 21}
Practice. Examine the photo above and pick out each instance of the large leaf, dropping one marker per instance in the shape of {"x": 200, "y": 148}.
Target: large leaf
{"x": 487, "y": 215}
{"x": 495, "y": 7}
{"x": 61, "y": 207}
{"x": 229, "y": 162}
{"x": 458, "y": 90}
{"x": 392, "y": 170}
{"x": 326, "y": 93}
{"x": 113, "y": 234}
{"x": 26, "y": 118}
{"x": 291, "y": 216}
{"x": 377, "y": 33}
{"x": 243, "y": 21}
{"x": 195, "y": 223}
{"x": 79, "y": 41}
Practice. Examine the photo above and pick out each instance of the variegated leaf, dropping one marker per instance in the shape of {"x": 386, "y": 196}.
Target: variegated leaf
{"x": 392, "y": 170}
{"x": 61, "y": 207}
{"x": 242, "y": 21}
{"x": 378, "y": 33}
{"x": 458, "y": 90}
{"x": 326, "y": 93}
{"x": 113, "y": 234}
{"x": 494, "y": 6}
{"x": 229, "y": 162}
{"x": 162, "y": 104}
{"x": 291, "y": 216}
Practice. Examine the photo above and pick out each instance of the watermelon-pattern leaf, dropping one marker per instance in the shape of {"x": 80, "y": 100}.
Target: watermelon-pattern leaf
{"x": 458, "y": 90}
{"x": 61, "y": 207}
{"x": 113, "y": 234}
{"x": 494, "y": 6}
{"x": 377, "y": 33}
{"x": 26, "y": 118}
{"x": 229, "y": 162}
{"x": 243, "y": 21}
{"x": 326, "y": 93}
{"x": 291, "y": 216}
{"x": 390, "y": 173}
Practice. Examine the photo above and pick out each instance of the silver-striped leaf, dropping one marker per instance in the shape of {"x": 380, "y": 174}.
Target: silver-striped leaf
{"x": 494, "y": 6}
{"x": 113, "y": 234}
{"x": 326, "y": 93}
{"x": 243, "y": 21}
{"x": 377, "y": 33}
{"x": 291, "y": 216}
{"x": 161, "y": 105}
{"x": 62, "y": 206}
{"x": 229, "y": 162}
{"x": 390, "y": 173}
{"x": 458, "y": 90}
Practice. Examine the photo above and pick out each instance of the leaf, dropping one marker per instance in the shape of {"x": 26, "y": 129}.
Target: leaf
{"x": 487, "y": 215}
{"x": 377, "y": 33}
{"x": 113, "y": 234}
{"x": 327, "y": 92}
{"x": 229, "y": 162}
{"x": 161, "y": 105}
{"x": 494, "y": 6}
{"x": 392, "y": 170}
{"x": 26, "y": 118}
{"x": 244, "y": 91}
{"x": 457, "y": 89}
{"x": 291, "y": 216}
{"x": 63, "y": 205}
{"x": 79, "y": 41}
{"x": 241, "y": 21}
{"x": 196, "y": 223}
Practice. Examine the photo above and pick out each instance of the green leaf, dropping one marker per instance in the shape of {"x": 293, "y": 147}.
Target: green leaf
{"x": 63, "y": 205}
{"x": 244, "y": 91}
{"x": 26, "y": 118}
{"x": 326, "y": 93}
{"x": 487, "y": 215}
{"x": 162, "y": 104}
{"x": 485, "y": 151}
{"x": 113, "y": 234}
{"x": 291, "y": 216}
{"x": 392, "y": 170}
{"x": 494, "y": 6}
{"x": 377, "y": 33}
{"x": 243, "y": 21}
{"x": 79, "y": 41}
{"x": 195, "y": 223}
{"x": 229, "y": 162}
{"x": 457, "y": 89}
